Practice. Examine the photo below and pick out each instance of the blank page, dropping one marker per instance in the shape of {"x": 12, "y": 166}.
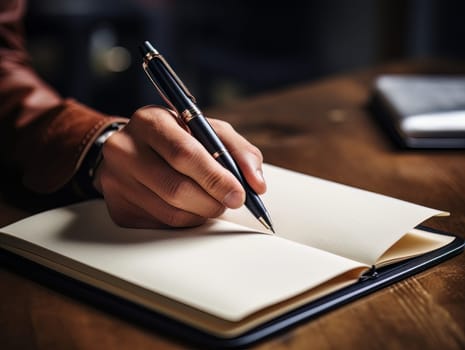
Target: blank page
{"x": 346, "y": 221}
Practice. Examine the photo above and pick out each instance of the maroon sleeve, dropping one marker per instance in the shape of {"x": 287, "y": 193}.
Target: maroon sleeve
{"x": 42, "y": 135}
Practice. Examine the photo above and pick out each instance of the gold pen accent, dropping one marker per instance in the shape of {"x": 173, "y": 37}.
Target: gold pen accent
{"x": 264, "y": 223}
{"x": 179, "y": 98}
{"x": 155, "y": 55}
{"x": 188, "y": 114}
{"x": 160, "y": 92}
{"x": 219, "y": 153}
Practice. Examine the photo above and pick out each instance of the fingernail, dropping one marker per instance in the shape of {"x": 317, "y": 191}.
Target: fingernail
{"x": 233, "y": 199}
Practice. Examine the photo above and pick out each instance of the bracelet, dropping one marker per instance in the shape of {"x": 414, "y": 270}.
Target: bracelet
{"x": 85, "y": 175}
{"x": 95, "y": 152}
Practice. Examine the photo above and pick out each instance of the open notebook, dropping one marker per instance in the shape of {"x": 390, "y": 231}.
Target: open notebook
{"x": 229, "y": 276}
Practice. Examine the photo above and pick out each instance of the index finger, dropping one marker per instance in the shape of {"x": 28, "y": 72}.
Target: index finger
{"x": 186, "y": 155}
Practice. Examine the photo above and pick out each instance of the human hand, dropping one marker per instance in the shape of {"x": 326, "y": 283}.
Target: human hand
{"x": 155, "y": 174}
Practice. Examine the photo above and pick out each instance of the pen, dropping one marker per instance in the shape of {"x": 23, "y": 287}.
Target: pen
{"x": 178, "y": 97}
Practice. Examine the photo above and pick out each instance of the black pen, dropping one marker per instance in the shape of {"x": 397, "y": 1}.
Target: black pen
{"x": 176, "y": 95}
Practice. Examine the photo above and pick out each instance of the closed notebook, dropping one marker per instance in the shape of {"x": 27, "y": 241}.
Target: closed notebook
{"x": 229, "y": 276}
{"x": 422, "y": 111}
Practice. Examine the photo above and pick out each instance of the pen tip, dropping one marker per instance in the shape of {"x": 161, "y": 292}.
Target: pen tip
{"x": 270, "y": 227}
{"x": 266, "y": 223}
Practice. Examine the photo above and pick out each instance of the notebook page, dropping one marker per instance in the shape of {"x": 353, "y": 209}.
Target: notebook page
{"x": 346, "y": 221}
{"x": 414, "y": 243}
{"x": 219, "y": 268}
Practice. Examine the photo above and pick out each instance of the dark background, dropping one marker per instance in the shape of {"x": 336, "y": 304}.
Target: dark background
{"x": 224, "y": 50}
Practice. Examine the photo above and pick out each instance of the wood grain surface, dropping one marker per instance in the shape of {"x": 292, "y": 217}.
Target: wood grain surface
{"x": 324, "y": 129}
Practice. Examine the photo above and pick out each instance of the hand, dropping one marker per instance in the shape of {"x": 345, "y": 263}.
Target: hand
{"x": 155, "y": 174}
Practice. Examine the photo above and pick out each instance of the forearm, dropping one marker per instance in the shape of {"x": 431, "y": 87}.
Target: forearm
{"x": 43, "y": 136}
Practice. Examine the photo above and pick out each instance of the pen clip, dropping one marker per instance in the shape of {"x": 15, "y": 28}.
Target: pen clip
{"x": 165, "y": 98}
{"x": 151, "y": 55}
{"x": 160, "y": 92}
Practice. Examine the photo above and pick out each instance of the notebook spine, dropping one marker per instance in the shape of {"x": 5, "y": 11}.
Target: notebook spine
{"x": 369, "y": 275}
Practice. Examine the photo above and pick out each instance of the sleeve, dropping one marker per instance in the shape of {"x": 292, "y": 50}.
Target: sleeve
{"x": 43, "y": 137}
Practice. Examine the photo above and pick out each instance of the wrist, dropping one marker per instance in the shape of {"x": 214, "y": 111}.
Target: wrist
{"x": 84, "y": 178}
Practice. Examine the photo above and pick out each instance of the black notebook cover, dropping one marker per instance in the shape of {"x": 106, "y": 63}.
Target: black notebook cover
{"x": 370, "y": 282}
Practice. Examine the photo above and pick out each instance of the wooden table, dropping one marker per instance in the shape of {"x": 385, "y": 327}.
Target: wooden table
{"x": 322, "y": 129}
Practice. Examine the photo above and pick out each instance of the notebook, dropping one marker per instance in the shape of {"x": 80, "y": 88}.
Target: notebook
{"x": 229, "y": 279}
{"x": 422, "y": 111}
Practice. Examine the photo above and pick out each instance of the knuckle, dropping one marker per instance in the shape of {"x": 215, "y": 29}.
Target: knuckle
{"x": 182, "y": 152}
{"x": 176, "y": 191}
{"x": 214, "y": 182}
{"x": 146, "y": 112}
{"x": 140, "y": 116}
{"x": 148, "y": 118}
